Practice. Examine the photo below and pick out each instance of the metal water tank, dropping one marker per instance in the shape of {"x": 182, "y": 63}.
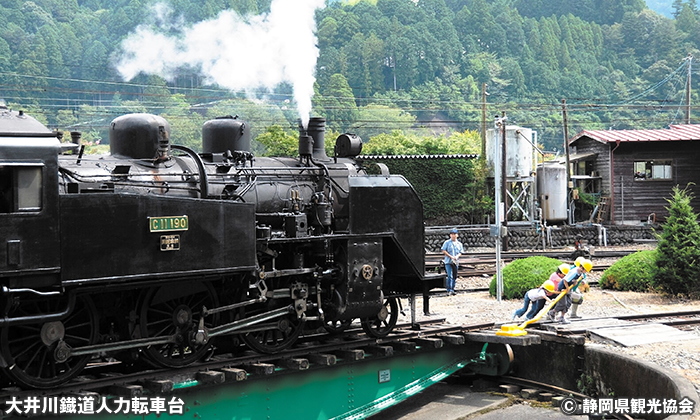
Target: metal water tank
{"x": 551, "y": 191}
{"x": 520, "y": 150}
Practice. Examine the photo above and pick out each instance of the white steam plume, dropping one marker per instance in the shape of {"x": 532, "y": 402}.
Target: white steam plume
{"x": 235, "y": 52}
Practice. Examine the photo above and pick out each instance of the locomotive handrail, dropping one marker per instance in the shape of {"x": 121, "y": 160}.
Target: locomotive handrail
{"x": 156, "y": 277}
{"x": 7, "y": 321}
{"x": 7, "y": 290}
{"x": 94, "y": 178}
{"x": 274, "y": 169}
{"x": 203, "y": 180}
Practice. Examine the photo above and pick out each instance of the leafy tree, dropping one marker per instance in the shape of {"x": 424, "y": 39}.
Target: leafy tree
{"x": 278, "y": 142}
{"x": 678, "y": 259}
{"x": 94, "y": 63}
{"x": 375, "y": 119}
{"x": 686, "y": 20}
{"x": 677, "y": 7}
{"x": 185, "y": 127}
{"x": 338, "y": 103}
{"x": 65, "y": 118}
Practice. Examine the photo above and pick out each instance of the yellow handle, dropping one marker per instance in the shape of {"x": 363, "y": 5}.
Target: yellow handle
{"x": 543, "y": 311}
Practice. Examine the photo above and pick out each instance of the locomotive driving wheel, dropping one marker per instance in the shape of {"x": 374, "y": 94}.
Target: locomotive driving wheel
{"x": 276, "y": 339}
{"x": 176, "y": 311}
{"x": 280, "y": 335}
{"x": 381, "y": 324}
{"x": 37, "y": 353}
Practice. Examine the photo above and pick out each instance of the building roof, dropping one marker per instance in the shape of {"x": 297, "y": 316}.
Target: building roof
{"x": 680, "y": 132}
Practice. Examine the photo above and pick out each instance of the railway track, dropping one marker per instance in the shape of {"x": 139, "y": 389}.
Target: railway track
{"x": 673, "y": 319}
{"x": 314, "y": 351}
{"x": 320, "y": 349}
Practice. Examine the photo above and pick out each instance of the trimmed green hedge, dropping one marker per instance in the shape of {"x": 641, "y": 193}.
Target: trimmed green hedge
{"x": 634, "y": 272}
{"x": 524, "y": 274}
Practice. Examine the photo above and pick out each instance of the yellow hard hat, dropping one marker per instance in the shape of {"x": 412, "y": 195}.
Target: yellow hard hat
{"x": 587, "y": 265}
{"x": 548, "y": 285}
{"x": 578, "y": 261}
{"x": 564, "y": 268}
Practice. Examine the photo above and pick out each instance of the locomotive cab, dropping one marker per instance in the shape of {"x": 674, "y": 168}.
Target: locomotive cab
{"x": 30, "y": 257}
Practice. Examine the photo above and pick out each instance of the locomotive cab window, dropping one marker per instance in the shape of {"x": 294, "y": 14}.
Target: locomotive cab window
{"x": 20, "y": 189}
{"x": 652, "y": 169}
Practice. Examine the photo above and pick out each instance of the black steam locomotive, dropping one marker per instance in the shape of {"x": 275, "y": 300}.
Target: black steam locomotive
{"x": 158, "y": 252}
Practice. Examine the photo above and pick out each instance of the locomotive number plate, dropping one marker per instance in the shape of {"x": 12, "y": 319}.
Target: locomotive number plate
{"x": 170, "y": 243}
{"x": 168, "y": 223}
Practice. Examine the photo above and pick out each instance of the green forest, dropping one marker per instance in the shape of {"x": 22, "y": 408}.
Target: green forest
{"x": 386, "y": 69}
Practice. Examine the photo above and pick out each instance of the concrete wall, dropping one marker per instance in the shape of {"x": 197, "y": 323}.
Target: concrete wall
{"x": 621, "y": 376}
{"x": 613, "y": 374}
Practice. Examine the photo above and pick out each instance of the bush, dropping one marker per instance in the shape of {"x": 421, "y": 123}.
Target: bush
{"x": 522, "y": 275}
{"x": 678, "y": 255}
{"x": 634, "y": 272}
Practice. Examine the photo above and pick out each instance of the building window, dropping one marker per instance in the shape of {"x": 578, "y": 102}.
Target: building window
{"x": 652, "y": 169}
{"x": 584, "y": 167}
{"x": 20, "y": 188}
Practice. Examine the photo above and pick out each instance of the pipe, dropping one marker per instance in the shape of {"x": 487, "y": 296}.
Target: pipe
{"x": 602, "y": 234}
{"x": 50, "y": 317}
{"x": 612, "y": 183}
{"x": 203, "y": 178}
{"x": 605, "y": 236}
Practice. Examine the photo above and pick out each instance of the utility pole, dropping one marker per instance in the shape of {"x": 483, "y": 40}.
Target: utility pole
{"x": 496, "y": 228}
{"x": 687, "y": 90}
{"x": 504, "y": 183}
{"x": 483, "y": 120}
{"x": 566, "y": 149}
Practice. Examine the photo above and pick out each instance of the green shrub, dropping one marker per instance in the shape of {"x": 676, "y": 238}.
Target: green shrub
{"x": 634, "y": 272}
{"x": 522, "y": 275}
{"x": 678, "y": 256}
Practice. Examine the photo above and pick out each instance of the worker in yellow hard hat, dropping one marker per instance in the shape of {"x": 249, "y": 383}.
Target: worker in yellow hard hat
{"x": 580, "y": 286}
{"x": 569, "y": 283}
{"x": 537, "y": 298}
{"x": 554, "y": 279}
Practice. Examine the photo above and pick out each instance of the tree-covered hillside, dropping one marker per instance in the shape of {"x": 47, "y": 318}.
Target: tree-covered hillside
{"x": 383, "y": 65}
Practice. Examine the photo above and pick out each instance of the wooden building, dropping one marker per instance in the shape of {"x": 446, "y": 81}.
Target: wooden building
{"x": 633, "y": 171}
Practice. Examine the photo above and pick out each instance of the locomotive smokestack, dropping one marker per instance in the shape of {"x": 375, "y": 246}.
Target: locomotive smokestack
{"x": 317, "y": 131}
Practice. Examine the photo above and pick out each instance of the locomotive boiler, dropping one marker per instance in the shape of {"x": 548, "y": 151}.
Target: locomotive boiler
{"x": 160, "y": 253}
